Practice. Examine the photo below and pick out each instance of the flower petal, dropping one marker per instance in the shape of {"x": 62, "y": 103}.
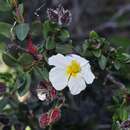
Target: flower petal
{"x": 87, "y": 74}
{"x": 58, "y": 60}
{"x": 58, "y": 78}
{"x": 81, "y": 61}
{"x": 76, "y": 84}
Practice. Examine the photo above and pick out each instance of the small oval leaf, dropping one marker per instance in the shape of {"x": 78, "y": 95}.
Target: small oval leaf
{"x": 21, "y": 31}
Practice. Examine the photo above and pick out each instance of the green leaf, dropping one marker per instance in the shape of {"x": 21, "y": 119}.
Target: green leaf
{"x": 36, "y": 28}
{"x": 126, "y": 57}
{"x": 50, "y": 43}
{"x": 49, "y": 28}
{"x": 97, "y": 53}
{"x": 2, "y": 47}
{"x": 123, "y": 113}
{"x": 64, "y": 34}
{"x": 102, "y": 62}
{"x": 9, "y": 60}
{"x": 37, "y": 74}
{"x": 21, "y": 9}
{"x": 41, "y": 74}
{"x": 64, "y": 49}
{"x": 93, "y": 35}
{"x": 117, "y": 65}
{"x": 25, "y": 59}
{"x": 3, "y": 103}
{"x": 115, "y": 99}
{"x": 22, "y": 31}
{"x": 123, "y": 57}
{"x": 85, "y": 46}
{"x": 45, "y": 74}
{"x": 115, "y": 126}
{"x": 4, "y": 6}
{"x": 46, "y": 29}
{"x": 5, "y": 29}
{"x": 24, "y": 83}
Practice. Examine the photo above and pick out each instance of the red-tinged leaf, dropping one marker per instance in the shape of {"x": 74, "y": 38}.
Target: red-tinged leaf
{"x": 31, "y": 47}
{"x": 44, "y": 120}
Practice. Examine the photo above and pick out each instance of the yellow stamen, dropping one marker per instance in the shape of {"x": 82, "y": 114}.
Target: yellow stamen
{"x": 73, "y": 68}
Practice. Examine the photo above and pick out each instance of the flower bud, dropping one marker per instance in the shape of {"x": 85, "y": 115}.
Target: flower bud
{"x": 53, "y": 93}
{"x": 44, "y": 120}
{"x": 60, "y": 15}
{"x": 125, "y": 124}
{"x": 55, "y": 115}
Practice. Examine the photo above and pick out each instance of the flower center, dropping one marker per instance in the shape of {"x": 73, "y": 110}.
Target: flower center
{"x": 73, "y": 68}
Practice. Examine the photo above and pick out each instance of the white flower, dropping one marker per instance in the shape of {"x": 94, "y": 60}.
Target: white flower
{"x": 72, "y": 71}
